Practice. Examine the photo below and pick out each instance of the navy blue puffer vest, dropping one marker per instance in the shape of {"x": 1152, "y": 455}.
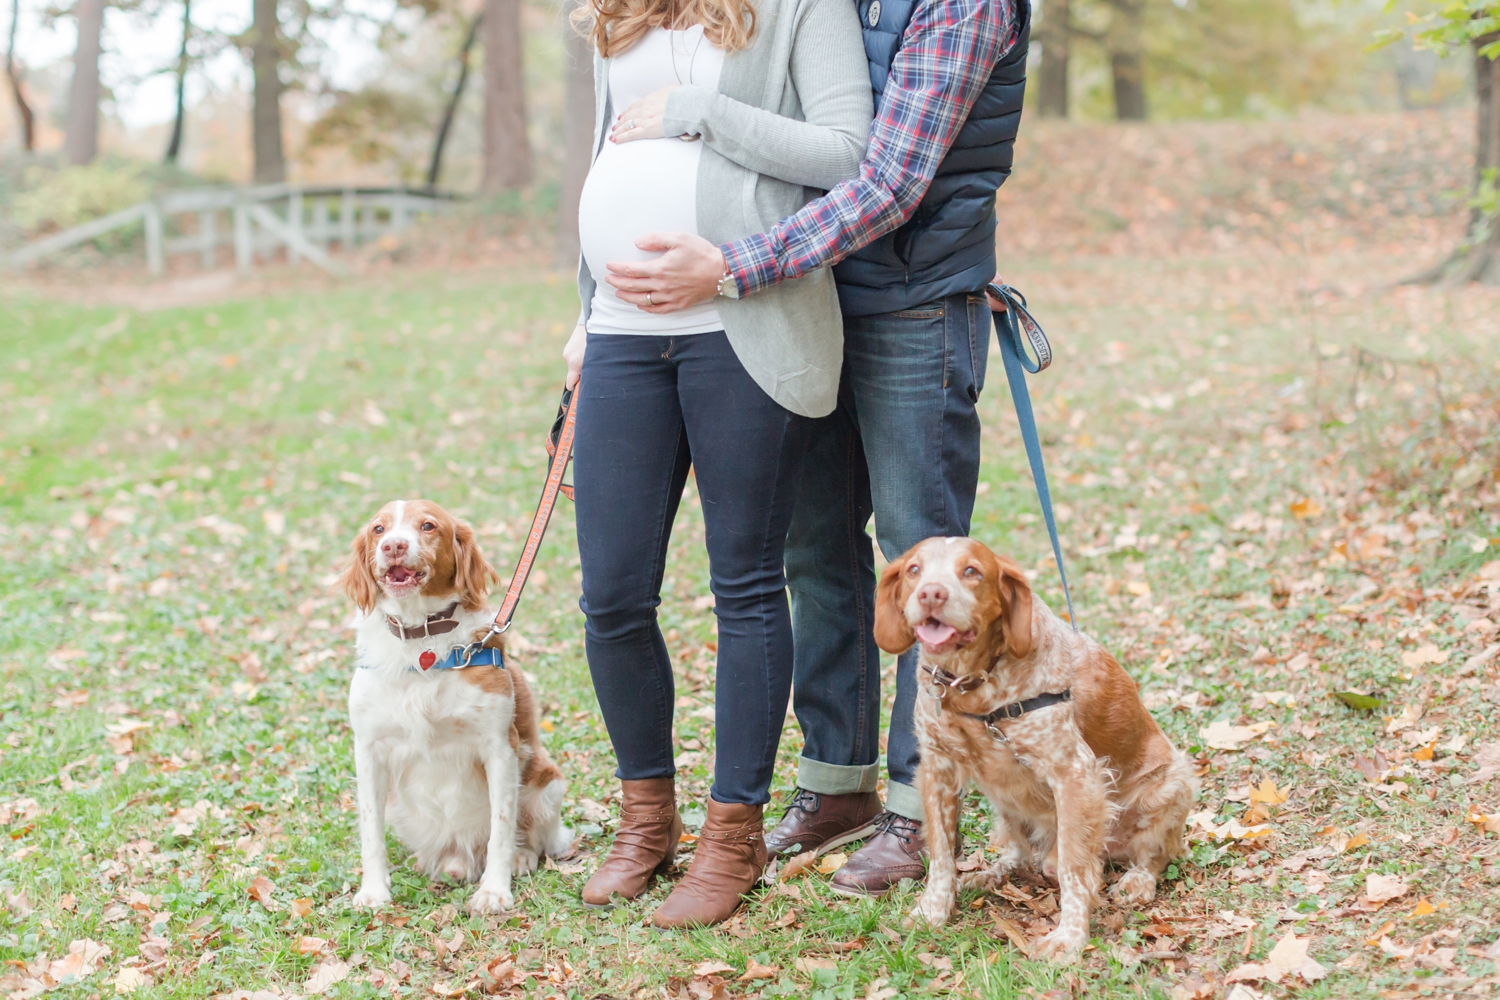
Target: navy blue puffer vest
{"x": 948, "y": 245}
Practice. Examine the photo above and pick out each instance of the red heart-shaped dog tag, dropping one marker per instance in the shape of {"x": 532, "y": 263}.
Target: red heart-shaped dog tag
{"x": 427, "y": 659}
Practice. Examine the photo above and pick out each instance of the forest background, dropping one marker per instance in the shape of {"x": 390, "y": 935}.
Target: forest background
{"x": 143, "y": 94}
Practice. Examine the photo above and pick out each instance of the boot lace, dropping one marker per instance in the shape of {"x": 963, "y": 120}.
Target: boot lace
{"x": 897, "y": 826}
{"x": 806, "y": 801}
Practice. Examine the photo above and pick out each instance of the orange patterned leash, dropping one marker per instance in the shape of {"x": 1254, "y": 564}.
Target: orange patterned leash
{"x": 560, "y": 447}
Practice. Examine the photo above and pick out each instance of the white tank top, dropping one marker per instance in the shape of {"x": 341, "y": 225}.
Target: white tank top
{"x": 649, "y": 185}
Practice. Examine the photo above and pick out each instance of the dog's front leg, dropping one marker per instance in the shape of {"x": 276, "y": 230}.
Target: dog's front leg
{"x": 373, "y": 779}
{"x": 942, "y": 785}
{"x": 1081, "y": 810}
{"x": 1007, "y": 840}
{"x": 502, "y": 775}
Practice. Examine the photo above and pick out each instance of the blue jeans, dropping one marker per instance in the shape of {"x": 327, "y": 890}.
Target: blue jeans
{"x": 903, "y": 444}
{"x": 648, "y": 408}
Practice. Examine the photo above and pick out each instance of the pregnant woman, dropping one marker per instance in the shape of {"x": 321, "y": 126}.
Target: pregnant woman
{"x": 718, "y": 118}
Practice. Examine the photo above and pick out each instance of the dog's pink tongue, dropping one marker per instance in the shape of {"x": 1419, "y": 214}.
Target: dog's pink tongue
{"x": 935, "y": 634}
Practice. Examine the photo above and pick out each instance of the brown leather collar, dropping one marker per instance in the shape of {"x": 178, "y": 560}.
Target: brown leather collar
{"x": 953, "y": 682}
{"x": 437, "y": 623}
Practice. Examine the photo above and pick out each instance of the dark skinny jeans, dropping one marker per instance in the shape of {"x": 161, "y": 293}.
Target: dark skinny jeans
{"x": 649, "y": 408}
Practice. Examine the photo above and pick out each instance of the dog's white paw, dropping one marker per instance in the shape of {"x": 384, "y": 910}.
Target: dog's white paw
{"x": 490, "y": 900}
{"x": 1061, "y": 945}
{"x": 1136, "y": 886}
{"x": 933, "y": 909}
{"x": 526, "y": 861}
{"x": 372, "y": 895}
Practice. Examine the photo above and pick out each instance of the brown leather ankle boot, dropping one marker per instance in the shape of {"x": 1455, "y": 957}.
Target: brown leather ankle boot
{"x": 645, "y": 842}
{"x": 730, "y": 859}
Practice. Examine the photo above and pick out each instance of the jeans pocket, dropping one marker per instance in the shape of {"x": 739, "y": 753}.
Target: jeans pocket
{"x": 980, "y": 326}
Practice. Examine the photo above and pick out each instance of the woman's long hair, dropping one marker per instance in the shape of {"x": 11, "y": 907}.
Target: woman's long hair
{"x": 615, "y": 25}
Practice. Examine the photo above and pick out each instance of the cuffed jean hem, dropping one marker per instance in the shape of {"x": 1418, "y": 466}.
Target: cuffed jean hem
{"x": 836, "y": 779}
{"x": 904, "y": 800}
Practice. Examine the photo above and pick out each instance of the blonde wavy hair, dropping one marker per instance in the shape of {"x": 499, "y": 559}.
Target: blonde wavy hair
{"x": 615, "y": 25}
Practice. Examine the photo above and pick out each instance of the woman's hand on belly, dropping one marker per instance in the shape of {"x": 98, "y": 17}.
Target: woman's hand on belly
{"x": 643, "y": 119}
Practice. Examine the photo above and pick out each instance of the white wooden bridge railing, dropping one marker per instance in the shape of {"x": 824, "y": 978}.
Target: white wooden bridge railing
{"x": 305, "y": 220}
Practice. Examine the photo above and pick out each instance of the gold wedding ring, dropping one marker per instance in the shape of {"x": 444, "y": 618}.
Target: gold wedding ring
{"x": 648, "y": 300}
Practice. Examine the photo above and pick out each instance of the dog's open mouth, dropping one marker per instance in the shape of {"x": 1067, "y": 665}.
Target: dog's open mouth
{"x": 935, "y": 634}
{"x": 403, "y": 577}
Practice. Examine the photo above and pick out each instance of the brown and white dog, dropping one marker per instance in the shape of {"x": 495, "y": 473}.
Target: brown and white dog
{"x": 1071, "y": 781}
{"x": 450, "y": 755}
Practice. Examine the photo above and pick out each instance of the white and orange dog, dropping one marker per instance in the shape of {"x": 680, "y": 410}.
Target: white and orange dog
{"x": 448, "y": 753}
{"x": 1044, "y": 721}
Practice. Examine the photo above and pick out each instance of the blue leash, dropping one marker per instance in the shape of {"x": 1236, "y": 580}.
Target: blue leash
{"x": 1009, "y": 326}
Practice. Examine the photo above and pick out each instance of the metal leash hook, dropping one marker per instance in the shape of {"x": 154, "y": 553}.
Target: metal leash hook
{"x": 472, "y": 649}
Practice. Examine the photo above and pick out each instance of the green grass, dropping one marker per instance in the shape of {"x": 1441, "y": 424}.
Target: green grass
{"x": 179, "y": 485}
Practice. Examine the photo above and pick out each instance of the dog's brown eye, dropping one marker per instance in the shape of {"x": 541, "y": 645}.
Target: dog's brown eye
{"x": 379, "y": 529}
{"x": 428, "y": 526}
{"x": 913, "y": 569}
{"x": 971, "y": 572}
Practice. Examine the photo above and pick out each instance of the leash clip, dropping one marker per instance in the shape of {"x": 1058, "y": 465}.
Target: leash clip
{"x": 472, "y": 649}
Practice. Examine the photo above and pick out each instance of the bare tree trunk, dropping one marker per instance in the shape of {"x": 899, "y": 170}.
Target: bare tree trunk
{"x": 1486, "y": 230}
{"x": 1125, "y": 42}
{"x": 435, "y": 167}
{"x": 13, "y": 74}
{"x": 1055, "y": 32}
{"x": 81, "y": 141}
{"x": 1478, "y": 258}
{"x": 1487, "y": 120}
{"x": 174, "y": 145}
{"x": 265, "y": 62}
{"x": 578, "y": 136}
{"x": 507, "y": 153}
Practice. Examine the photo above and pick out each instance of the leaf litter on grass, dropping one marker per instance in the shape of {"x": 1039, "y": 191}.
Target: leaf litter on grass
{"x": 1292, "y": 518}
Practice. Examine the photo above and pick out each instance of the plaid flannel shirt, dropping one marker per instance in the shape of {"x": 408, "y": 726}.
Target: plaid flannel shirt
{"x": 946, "y": 56}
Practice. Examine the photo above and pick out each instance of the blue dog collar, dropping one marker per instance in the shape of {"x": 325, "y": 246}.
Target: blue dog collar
{"x": 458, "y": 658}
{"x": 465, "y": 656}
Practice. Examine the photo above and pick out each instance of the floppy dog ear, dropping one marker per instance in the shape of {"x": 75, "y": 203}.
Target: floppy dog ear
{"x": 893, "y": 633}
{"x": 1015, "y": 608}
{"x": 472, "y": 573}
{"x": 358, "y": 580}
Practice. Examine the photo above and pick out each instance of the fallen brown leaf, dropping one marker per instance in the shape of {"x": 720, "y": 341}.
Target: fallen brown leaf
{"x": 754, "y": 970}
{"x": 260, "y": 890}
{"x": 1384, "y": 888}
{"x": 311, "y": 945}
{"x": 1016, "y": 935}
{"x": 831, "y": 863}
{"x": 797, "y": 865}
{"x": 711, "y": 968}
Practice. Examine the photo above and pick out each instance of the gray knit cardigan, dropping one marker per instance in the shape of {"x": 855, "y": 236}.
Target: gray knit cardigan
{"x": 790, "y": 119}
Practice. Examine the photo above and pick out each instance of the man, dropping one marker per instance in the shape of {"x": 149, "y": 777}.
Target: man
{"x": 914, "y": 238}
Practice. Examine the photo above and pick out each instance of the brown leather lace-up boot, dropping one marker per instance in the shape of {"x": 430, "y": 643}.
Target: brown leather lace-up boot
{"x": 730, "y": 859}
{"x": 820, "y": 823}
{"x": 645, "y": 842}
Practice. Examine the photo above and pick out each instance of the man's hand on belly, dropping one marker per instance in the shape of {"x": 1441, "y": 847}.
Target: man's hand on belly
{"x": 686, "y": 273}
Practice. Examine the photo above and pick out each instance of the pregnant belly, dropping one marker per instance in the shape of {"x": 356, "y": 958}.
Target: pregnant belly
{"x": 635, "y": 188}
